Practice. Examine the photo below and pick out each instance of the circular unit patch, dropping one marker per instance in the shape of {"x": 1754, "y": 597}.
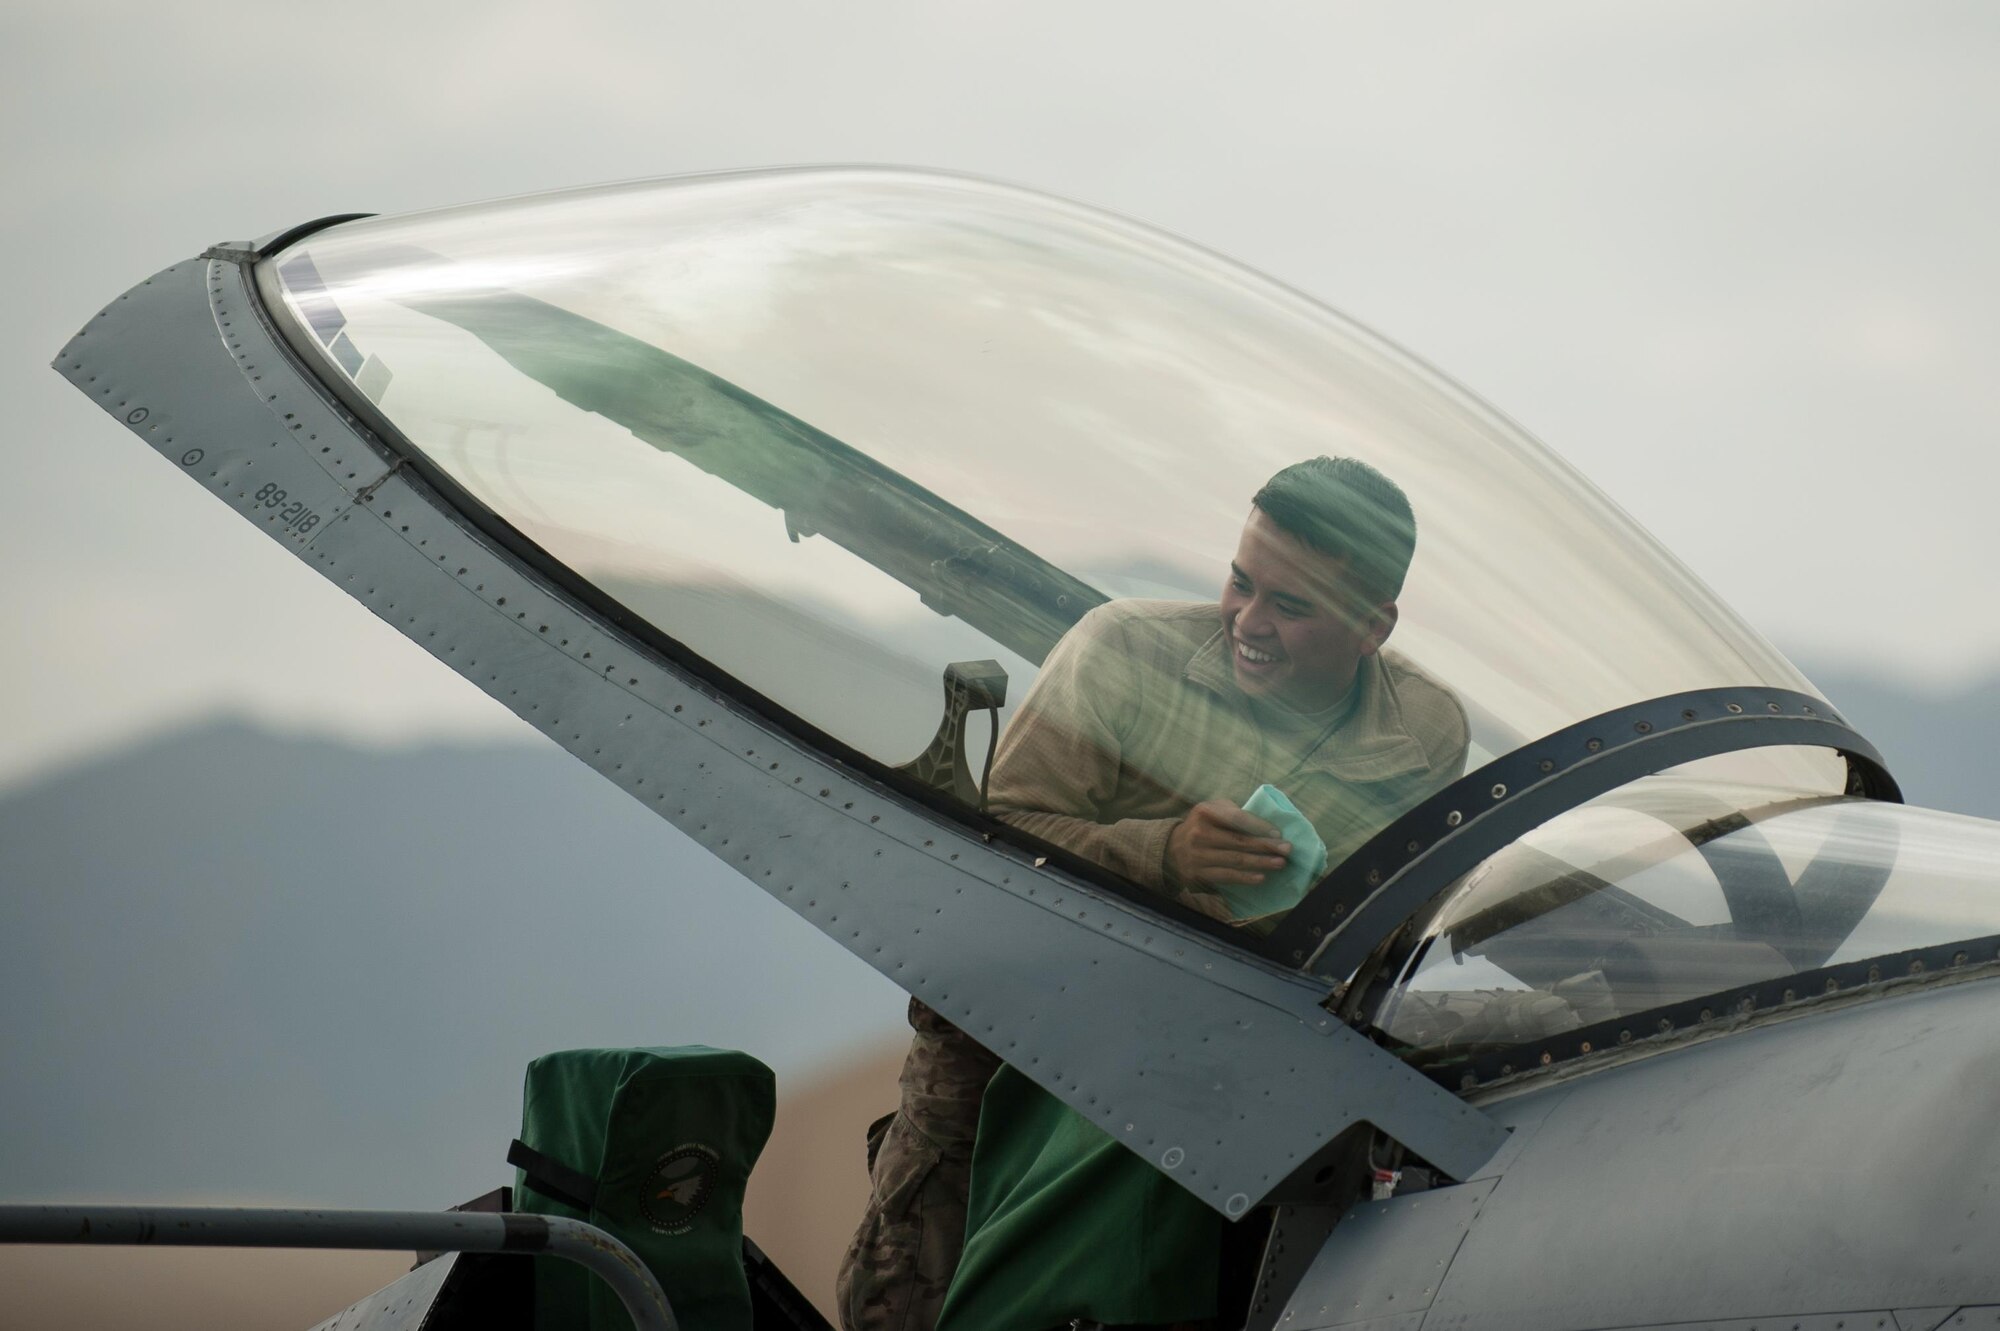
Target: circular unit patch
{"x": 679, "y": 1187}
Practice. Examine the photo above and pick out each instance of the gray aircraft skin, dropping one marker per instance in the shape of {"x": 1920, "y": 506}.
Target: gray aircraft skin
{"x": 1666, "y": 1013}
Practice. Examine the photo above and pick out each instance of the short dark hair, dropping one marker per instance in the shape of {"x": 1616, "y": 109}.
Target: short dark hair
{"x": 1346, "y": 508}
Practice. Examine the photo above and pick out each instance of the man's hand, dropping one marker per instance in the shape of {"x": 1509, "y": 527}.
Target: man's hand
{"x": 1219, "y": 845}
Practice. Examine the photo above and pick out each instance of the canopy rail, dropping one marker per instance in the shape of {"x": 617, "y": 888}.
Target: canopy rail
{"x": 390, "y": 1231}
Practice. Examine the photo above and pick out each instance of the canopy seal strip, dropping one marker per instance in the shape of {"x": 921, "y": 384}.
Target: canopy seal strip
{"x": 1966, "y": 959}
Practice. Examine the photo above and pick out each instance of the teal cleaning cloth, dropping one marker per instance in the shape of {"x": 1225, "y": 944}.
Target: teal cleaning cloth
{"x": 1281, "y": 890}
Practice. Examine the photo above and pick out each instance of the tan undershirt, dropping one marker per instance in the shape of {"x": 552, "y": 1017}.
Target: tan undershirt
{"x": 1292, "y": 737}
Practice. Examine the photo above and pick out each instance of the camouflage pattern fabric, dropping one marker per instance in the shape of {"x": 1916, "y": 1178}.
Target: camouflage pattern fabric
{"x": 900, "y": 1263}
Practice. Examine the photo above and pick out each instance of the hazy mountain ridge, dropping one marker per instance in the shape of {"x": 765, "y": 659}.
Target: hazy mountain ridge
{"x": 236, "y": 964}
{"x": 241, "y": 966}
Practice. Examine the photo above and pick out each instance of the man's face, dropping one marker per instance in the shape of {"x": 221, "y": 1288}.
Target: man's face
{"x": 1297, "y": 628}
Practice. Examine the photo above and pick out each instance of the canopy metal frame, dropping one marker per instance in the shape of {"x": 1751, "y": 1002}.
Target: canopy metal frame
{"x": 1410, "y": 863}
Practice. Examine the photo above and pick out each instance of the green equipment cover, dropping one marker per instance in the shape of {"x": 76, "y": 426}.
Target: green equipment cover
{"x": 1064, "y": 1222}
{"x": 663, "y": 1141}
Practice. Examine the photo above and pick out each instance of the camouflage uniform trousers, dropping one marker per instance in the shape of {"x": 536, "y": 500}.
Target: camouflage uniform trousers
{"x": 900, "y": 1263}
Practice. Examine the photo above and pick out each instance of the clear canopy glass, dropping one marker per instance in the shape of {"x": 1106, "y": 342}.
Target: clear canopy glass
{"x": 837, "y": 430}
{"x": 1674, "y": 889}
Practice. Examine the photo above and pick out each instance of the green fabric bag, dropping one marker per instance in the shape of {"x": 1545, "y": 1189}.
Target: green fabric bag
{"x": 668, "y": 1136}
{"x": 1065, "y": 1222}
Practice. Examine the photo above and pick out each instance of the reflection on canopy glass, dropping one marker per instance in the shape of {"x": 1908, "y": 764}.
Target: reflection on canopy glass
{"x": 836, "y": 432}
{"x": 1673, "y": 889}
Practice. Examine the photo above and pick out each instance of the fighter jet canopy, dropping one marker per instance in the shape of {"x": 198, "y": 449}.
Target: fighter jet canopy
{"x": 925, "y": 547}
{"x": 833, "y": 429}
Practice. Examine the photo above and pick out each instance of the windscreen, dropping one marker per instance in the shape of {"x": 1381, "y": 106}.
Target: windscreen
{"x": 921, "y": 459}
{"x": 1675, "y": 889}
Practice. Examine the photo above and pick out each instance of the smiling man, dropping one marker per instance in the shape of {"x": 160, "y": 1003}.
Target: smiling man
{"x": 1149, "y": 727}
{"x": 1153, "y": 721}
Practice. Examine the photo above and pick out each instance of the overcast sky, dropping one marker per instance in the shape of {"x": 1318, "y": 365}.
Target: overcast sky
{"x": 1734, "y": 261}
